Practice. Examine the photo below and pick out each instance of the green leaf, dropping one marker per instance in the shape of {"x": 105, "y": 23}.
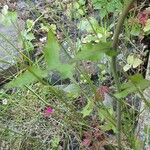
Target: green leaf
{"x": 136, "y": 29}
{"x": 88, "y": 25}
{"x": 31, "y": 75}
{"x": 53, "y": 28}
{"x": 27, "y": 35}
{"x": 94, "y": 52}
{"x": 126, "y": 85}
{"x": 88, "y": 108}
{"x": 137, "y": 62}
{"x": 26, "y": 40}
{"x": 133, "y": 61}
{"x": 103, "y": 12}
{"x": 136, "y": 78}
{"x": 127, "y": 67}
{"x": 7, "y": 17}
{"x": 30, "y": 24}
{"x": 28, "y": 46}
{"x": 103, "y": 33}
{"x": 81, "y": 2}
{"x": 44, "y": 28}
{"x": 97, "y": 4}
{"x": 125, "y": 92}
{"x": 130, "y": 59}
{"x": 109, "y": 116}
{"x": 30, "y": 36}
{"x": 135, "y": 84}
{"x": 89, "y": 52}
{"x": 110, "y": 7}
{"x": 51, "y": 51}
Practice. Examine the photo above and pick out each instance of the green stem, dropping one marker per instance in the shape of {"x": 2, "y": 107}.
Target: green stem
{"x": 114, "y": 68}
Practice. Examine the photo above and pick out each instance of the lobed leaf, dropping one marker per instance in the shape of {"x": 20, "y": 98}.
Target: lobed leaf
{"x": 31, "y": 75}
{"x": 95, "y": 52}
{"x": 136, "y": 83}
{"x": 51, "y": 52}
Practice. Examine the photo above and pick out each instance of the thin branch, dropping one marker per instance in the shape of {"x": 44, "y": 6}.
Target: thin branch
{"x": 114, "y": 68}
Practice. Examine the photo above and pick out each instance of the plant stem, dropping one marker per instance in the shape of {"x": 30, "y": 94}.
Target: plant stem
{"x": 114, "y": 68}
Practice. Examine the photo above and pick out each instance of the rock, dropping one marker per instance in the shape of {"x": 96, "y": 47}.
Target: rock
{"x": 9, "y": 48}
{"x": 8, "y": 53}
{"x": 108, "y": 101}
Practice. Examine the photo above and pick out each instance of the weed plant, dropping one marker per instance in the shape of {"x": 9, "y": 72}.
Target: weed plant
{"x": 54, "y": 101}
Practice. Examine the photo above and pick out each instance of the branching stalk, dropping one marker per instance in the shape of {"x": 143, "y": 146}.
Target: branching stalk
{"x": 114, "y": 68}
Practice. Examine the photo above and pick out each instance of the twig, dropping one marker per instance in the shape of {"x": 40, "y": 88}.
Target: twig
{"x": 114, "y": 68}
